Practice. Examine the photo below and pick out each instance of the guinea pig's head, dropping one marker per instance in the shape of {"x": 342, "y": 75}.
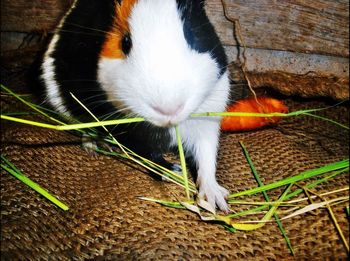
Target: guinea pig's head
{"x": 160, "y": 60}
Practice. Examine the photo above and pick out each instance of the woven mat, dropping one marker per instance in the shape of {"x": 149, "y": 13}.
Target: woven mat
{"x": 107, "y": 221}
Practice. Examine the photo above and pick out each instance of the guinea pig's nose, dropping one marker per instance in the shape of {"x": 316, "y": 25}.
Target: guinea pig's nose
{"x": 168, "y": 110}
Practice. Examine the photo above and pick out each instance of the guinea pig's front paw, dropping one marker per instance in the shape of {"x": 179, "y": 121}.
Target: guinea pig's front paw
{"x": 214, "y": 194}
{"x": 175, "y": 168}
{"x": 90, "y": 145}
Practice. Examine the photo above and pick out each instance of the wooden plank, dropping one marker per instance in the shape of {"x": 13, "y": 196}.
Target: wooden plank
{"x": 308, "y": 75}
{"x": 262, "y": 60}
{"x": 306, "y": 51}
{"x": 307, "y": 26}
{"x": 32, "y": 16}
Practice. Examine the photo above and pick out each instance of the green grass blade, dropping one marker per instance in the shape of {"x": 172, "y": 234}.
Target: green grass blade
{"x": 317, "y": 182}
{"x": 72, "y": 126}
{"x": 32, "y": 106}
{"x": 326, "y": 119}
{"x": 267, "y": 198}
{"x": 267, "y": 217}
{"x": 307, "y": 112}
{"x": 29, "y": 122}
{"x": 248, "y": 212}
{"x": 183, "y": 161}
{"x": 245, "y": 114}
{"x": 302, "y": 176}
{"x": 290, "y": 195}
{"x": 170, "y": 204}
{"x": 10, "y": 168}
{"x": 153, "y": 167}
{"x": 15, "y": 114}
{"x": 255, "y": 114}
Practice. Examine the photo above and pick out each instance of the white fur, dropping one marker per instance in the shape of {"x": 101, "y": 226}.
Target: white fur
{"x": 201, "y": 136}
{"x": 161, "y": 70}
{"x": 165, "y": 81}
{"x": 48, "y": 69}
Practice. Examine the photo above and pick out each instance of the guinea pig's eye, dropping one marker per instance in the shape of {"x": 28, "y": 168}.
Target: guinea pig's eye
{"x": 126, "y": 44}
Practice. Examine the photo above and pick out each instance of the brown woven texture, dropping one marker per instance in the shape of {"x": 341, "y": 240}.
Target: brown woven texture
{"x": 107, "y": 221}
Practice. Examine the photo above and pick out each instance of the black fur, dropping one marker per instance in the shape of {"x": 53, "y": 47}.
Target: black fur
{"x": 76, "y": 57}
{"x": 200, "y": 33}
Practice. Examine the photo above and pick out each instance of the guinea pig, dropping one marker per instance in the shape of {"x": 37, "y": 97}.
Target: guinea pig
{"x": 157, "y": 59}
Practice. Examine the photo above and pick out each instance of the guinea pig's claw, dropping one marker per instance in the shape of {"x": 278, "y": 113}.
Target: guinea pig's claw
{"x": 215, "y": 195}
{"x": 91, "y": 145}
{"x": 175, "y": 168}
{"x": 159, "y": 159}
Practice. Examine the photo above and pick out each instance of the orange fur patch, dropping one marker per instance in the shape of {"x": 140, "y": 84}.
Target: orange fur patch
{"x": 112, "y": 48}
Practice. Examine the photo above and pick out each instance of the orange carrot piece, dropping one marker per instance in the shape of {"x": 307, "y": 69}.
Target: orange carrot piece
{"x": 259, "y": 105}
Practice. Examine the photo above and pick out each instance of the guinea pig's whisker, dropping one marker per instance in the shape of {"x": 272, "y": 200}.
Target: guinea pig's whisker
{"x": 130, "y": 113}
{"x": 213, "y": 49}
{"x": 97, "y": 94}
{"x": 226, "y": 66}
{"x": 239, "y": 84}
{"x": 96, "y": 104}
{"x": 79, "y": 32}
{"x": 93, "y": 97}
{"x": 80, "y": 80}
{"x": 60, "y": 28}
{"x": 123, "y": 110}
{"x": 200, "y": 26}
{"x": 89, "y": 90}
{"x": 93, "y": 89}
{"x": 90, "y": 99}
{"x": 108, "y": 116}
{"x": 91, "y": 29}
{"x": 113, "y": 113}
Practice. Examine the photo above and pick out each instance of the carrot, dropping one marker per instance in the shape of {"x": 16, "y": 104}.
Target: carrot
{"x": 259, "y": 105}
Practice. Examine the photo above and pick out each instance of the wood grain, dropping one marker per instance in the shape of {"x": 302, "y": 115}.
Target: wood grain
{"x": 32, "y": 16}
{"x": 308, "y": 26}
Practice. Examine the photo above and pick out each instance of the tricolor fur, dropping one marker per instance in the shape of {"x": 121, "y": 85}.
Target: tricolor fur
{"x": 159, "y": 59}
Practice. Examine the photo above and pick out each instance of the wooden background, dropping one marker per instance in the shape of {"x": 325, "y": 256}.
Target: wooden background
{"x": 297, "y": 47}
